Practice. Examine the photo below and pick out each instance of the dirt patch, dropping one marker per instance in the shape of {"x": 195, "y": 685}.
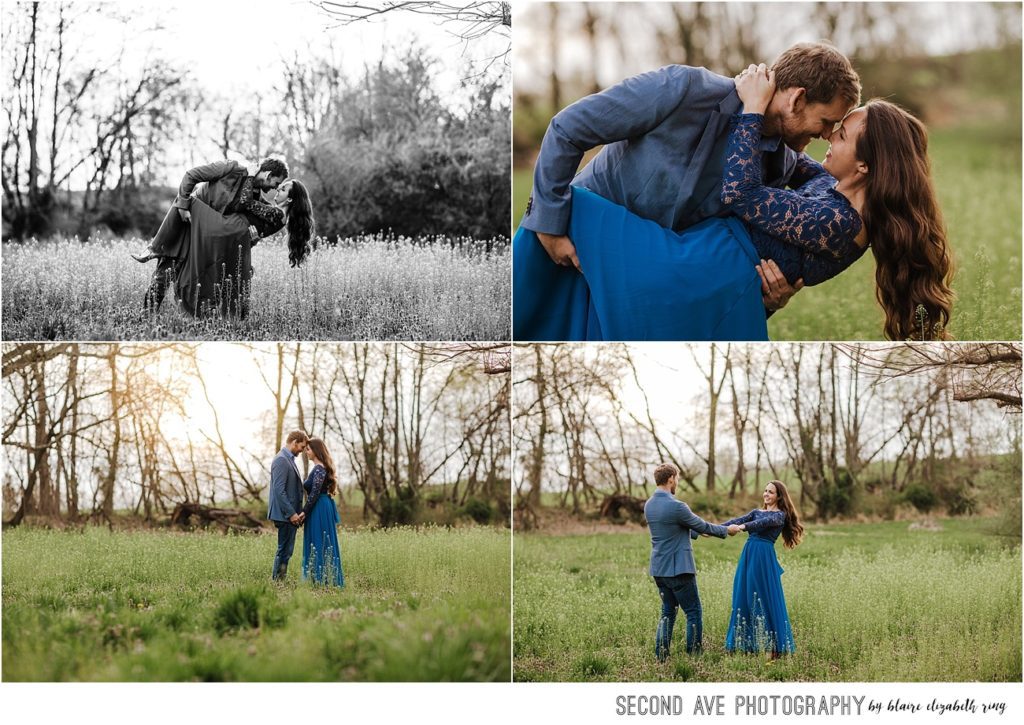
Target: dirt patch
{"x": 563, "y": 523}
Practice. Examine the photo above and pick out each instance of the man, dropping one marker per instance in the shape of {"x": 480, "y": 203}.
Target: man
{"x": 224, "y": 182}
{"x": 665, "y": 134}
{"x": 672, "y": 525}
{"x": 286, "y": 499}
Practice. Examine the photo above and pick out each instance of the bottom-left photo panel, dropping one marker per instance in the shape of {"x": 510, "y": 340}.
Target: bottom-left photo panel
{"x": 256, "y": 512}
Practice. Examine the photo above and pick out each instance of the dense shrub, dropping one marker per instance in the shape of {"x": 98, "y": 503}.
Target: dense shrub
{"x": 393, "y": 156}
{"x": 921, "y": 497}
{"x": 399, "y": 509}
{"x": 837, "y": 495}
{"x": 478, "y": 510}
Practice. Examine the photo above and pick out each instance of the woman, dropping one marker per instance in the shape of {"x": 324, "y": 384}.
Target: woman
{"x": 641, "y": 281}
{"x": 321, "y": 554}
{"x": 217, "y": 270}
{"x": 759, "y": 621}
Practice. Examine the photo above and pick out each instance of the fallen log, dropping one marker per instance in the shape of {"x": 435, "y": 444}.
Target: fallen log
{"x": 227, "y": 519}
{"x": 619, "y": 506}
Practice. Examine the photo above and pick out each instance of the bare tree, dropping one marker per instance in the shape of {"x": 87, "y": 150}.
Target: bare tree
{"x": 715, "y": 383}
{"x": 976, "y": 371}
{"x": 468, "y": 21}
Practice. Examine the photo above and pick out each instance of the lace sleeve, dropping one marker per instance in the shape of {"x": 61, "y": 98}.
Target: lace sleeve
{"x": 247, "y": 201}
{"x": 821, "y": 226}
{"x": 741, "y": 520}
{"x": 767, "y": 520}
{"x": 818, "y": 268}
{"x": 318, "y": 476}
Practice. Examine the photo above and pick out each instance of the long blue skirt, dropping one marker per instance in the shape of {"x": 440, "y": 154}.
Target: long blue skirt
{"x": 321, "y": 553}
{"x": 640, "y": 281}
{"x": 759, "y": 621}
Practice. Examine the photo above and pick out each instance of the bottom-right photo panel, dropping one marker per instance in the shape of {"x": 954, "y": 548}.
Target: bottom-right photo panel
{"x": 767, "y": 512}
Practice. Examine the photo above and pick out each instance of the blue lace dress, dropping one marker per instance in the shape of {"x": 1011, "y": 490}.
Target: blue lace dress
{"x": 759, "y": 621}
{"x": 809, "y": 231}
{"x": 321, "y": 552}
{"x": 641, "y": 281}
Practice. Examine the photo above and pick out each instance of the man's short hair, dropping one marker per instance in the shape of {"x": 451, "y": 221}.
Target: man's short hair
{"x": 297, "y": 436}
{"x": 664, "y": 472}
{"x": 276, "y": 167}
{"x": 821, "y": 70}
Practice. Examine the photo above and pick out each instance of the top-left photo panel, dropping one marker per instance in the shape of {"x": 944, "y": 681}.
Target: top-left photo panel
{"x": 256, "y": 171}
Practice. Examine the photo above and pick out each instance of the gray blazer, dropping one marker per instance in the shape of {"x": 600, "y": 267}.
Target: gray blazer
{"x": 223, "y": 178}
{"x": 672, "y": 525}
{"x": 216, "y": 184}
{"x": 665, "y": 134}
{"x": 285, "y": 487}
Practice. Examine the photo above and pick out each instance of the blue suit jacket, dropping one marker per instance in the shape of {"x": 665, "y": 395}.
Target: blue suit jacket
{"x": 285, "y": 487}
{"x": 672, "y": 525}
{"x": 665, "y": 133}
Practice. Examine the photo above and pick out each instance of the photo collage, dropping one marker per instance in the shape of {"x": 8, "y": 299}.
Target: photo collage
{"x": 532, "y": 360}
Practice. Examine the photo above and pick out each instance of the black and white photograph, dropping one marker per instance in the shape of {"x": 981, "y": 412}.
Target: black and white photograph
{"x": 256, "y": 171}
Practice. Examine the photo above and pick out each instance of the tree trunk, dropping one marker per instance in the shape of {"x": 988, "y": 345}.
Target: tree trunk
{"x": 49, "y": 504}
{"x": 114, "y": 452}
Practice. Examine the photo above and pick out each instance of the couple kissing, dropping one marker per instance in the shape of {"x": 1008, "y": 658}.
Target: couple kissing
{"x": 759, "y": 621}
{"x": 703, "y": 199}
{"x": 204, "y": 245}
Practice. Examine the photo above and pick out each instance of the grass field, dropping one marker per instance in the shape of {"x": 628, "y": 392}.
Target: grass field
{"x": 867, "y": 602}
{"x": 366, "y": 289}
{"x": 426, "y": 605}
{"x": 978, "y": 179}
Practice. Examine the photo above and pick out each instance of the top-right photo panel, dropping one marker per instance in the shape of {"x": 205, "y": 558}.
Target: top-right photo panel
{"x": 767, "y": 171}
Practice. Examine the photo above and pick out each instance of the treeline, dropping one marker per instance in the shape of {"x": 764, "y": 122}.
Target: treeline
{"x": 94, "y": 432}
{"x": 88, "y": 143}
{"x": 885, "y": 41}
{"x": 389, "y": 154}
{"x": 843, "y": 424}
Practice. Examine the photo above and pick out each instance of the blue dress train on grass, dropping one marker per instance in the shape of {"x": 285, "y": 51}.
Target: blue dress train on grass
{"x": 759, "y": 620}
{"x": 321, "y": 552}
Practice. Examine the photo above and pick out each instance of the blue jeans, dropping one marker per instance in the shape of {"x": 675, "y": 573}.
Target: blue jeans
{"x": 679, "y": 591}
{"x": 285, "y": 546}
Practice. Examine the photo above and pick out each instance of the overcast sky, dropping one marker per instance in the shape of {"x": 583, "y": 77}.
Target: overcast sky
{"x": 235, "y": 45}
{"x": 677, "y": 394}
{"x": 944, "y": 28}
{"x": 233, "y": 48}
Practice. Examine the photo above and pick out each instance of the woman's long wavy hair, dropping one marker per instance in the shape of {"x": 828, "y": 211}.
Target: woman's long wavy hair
{"x": 324, "y": 456}
{"x": 792, "y": 530}
{"x": 301, "y": 226}
{"x": 913, "y": 267}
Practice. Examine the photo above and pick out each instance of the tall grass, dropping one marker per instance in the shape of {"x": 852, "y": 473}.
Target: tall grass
{"x": 868, "y": 602}
{"x": 369, "y": 288}
{"x": 418, "y": 605}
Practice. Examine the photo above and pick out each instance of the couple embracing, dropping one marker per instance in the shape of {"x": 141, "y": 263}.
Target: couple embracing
{"x": 759, "y": 621}
{"x": 702, "y": 214}
{"x": 321, "y": 554}
{"x": 204, "y": 244}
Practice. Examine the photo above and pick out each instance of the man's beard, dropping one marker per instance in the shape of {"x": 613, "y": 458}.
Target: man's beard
{"x": 795, "y": 140}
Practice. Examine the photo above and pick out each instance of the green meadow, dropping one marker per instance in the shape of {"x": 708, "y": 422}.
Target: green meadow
{"x": 879, "y": 602}
{"x": 418, "y": 605}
